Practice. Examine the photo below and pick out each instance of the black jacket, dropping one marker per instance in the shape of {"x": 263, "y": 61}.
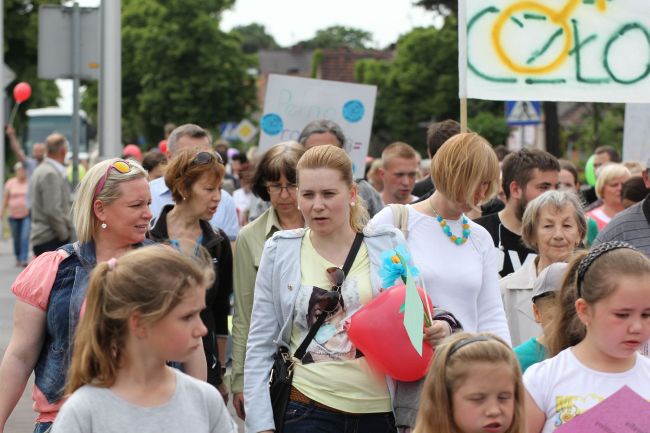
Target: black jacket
{"x": 215, "y": 315}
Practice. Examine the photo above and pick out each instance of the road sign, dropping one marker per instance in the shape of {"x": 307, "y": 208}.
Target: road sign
{"x": 54, "y": 42}
{"x": 227, "y": 130}
{"x": 523, "y": 112}
{"x": 246, "y": 130}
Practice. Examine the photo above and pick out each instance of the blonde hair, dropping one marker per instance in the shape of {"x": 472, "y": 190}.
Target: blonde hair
{"x": 598, "y": 283}
{"x": 397, "y": 149}
{"x": 83, "y": 214}
{"x": 335, "y": 158}
{"x": 608, "y": 173}
{"x": 462, "y": 164}
{"x": 150, "y": 281}
{"x": 556, "y": 200}
{"x": 450, "y": 368}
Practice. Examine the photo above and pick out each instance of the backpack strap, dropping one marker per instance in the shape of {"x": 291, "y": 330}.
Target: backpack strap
{"x": 400, "y": 218}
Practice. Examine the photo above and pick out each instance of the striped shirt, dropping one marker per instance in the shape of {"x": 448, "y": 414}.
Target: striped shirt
{"x": 632, "y": 226}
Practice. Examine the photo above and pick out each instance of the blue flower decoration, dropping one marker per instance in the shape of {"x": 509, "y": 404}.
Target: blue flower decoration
{"x": 394, "y": 264}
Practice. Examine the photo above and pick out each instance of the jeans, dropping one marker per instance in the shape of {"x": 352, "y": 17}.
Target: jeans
{"x": 42, "y": 427}
{"x": 304, "y": 418}
{"x": 20, "y": 229}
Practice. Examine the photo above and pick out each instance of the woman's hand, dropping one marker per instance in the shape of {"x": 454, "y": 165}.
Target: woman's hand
{"x": 435, "y": 333}
{"x": 238, "y": 403}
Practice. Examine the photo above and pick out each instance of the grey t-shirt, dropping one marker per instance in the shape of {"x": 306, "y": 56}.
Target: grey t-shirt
{"x": 194, "y": 407}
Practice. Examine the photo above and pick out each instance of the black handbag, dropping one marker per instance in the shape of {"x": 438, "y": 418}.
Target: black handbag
{"x": 282, "y": 371}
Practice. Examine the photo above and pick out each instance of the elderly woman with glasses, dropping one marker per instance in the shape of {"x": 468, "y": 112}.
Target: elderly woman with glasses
{"x": 301, "y": 290}
{"x": 194, "y": 180}
{"x": 111, "y": 215}
{"x": 553, "y": 225}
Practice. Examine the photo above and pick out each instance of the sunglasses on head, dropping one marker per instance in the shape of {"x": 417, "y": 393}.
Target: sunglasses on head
{"x": 121, "y": 166}
{"x": 203, "y": 158}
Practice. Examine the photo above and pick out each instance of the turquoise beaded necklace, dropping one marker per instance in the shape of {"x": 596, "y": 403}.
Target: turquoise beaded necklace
{"x": 458, "y": 240}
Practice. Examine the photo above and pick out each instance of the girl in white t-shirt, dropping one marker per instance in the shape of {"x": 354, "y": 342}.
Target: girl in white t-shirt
{"x": 474, "y": 385}
{"x": 603, "y": 320}
{"x": 142, "y": 310}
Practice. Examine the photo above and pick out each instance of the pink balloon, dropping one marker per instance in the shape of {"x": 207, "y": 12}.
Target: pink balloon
{"x": 377, "y": 330}
{"x": 22, "y": 92}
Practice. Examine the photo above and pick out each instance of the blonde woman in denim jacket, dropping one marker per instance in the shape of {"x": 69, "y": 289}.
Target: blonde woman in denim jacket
{"x": 333, "y": 387}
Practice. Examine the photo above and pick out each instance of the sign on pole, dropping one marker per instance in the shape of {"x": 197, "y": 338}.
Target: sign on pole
{"x": 556, "y": 50}
{"x": 292, "y": 102}
{"x": 246, "y": 131}
{"x": 55, "y": 49}
{"x": 519, "y": 113}
{"x": 636, "y": 135}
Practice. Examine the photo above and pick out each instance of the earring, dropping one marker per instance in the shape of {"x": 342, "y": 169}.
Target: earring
{"x": 298, "y": 207}
{"x": 353, "y": 204}
{"x": 103, "y": 226}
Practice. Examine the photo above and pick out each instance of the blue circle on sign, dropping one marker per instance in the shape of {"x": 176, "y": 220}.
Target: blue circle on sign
{"x": 272, "y": 124}
{"x": 353, "y": 110}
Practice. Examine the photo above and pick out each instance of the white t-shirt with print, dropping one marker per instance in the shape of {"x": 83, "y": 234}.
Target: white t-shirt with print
{"x": 563, "y": 387}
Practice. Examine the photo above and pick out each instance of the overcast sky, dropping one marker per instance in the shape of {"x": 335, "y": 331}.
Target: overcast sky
{"x": 291, "y": 21}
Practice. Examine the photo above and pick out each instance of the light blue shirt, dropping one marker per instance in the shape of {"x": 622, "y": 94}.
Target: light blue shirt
{"x": 225, "y": 218}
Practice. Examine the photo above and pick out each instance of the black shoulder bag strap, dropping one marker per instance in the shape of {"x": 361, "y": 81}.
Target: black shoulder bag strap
{"x": 300, "y": 352}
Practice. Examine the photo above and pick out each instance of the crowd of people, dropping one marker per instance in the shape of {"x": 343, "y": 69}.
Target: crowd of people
{"x": 540, "y": 286}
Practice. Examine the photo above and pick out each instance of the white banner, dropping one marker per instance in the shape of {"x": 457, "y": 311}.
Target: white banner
{"x": 636, "y": 135}
{"x": 556, "y": 50}
{"x": 292, "y": 102}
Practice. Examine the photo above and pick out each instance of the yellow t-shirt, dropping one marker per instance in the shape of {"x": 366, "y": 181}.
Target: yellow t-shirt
{"x": 332, "y": 372}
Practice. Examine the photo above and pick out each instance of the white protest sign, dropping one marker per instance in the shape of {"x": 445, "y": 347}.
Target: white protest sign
{"x": 292, "y": 102}
{"x": 636, "y": 135}
{"x": 556, "y": 50}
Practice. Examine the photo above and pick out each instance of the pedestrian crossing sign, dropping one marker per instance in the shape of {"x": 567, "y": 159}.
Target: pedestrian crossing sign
{"x": 523, "y": 112}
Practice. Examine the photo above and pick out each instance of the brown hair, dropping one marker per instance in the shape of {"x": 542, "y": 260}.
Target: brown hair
{"x": 460, "y": 166}
{"x": 519, "y": 167}
{"x": 335, "y": 158}
{"x": 598, "y": 283}
{"x": 280, "y": 159}
{"x": 150, "y": 281}
{"x": 182, "y": 172}
{"x": 571, "y": 168}
{"x": 450, "y": 368}
{"x": 438, "y": 133}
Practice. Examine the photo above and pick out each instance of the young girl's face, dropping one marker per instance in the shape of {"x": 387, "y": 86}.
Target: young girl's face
{"x": 620, "y": 323}
{"x": 485, "y": 401}
{"x": 179, "y": 333}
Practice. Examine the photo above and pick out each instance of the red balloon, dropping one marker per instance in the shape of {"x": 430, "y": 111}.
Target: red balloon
{"x": 22, "y": 92}
{"x": 377, "y": 330}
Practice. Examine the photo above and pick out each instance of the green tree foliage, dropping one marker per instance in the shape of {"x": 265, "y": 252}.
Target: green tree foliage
{"x": 253, "y": 38}
{"x": 443, "y": 7}
{"x": 339, "y": 37}
{"x": 491, "y": 126}
{"x": 21, "y": 52}
{"x": 419, "y": 85}
{"x": 601, "y": 125}
{"x": 178, "y": 66}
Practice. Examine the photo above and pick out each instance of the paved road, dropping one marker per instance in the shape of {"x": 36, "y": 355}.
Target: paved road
{"x": 22, "y": 419}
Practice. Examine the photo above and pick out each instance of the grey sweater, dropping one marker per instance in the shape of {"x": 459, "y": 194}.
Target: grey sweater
{"x": 51, "y": 201}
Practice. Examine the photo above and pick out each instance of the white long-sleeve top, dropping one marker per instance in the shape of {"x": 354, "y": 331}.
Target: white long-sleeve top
{"x": 460, "y": 279}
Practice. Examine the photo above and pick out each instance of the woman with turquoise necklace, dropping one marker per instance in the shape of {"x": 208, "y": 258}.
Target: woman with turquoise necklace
{"x": 456, "y": 257}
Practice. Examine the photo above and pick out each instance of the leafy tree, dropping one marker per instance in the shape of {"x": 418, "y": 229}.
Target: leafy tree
{"x": 177, "y": 65}
{"x": 339, "y": 37}
{"x": 493, "y": 127}
{"x": 443, "y": 7}
{"x": 418, "y": 86}
{"x": 602, "y": 124}
{"x": 21, "y": 52}
{"x": 254, "y": 38}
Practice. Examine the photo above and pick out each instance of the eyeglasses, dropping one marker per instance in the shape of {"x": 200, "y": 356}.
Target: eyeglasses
{"x": 121, "y": 166}
{"x": 276, "y": 189}
{"x": 203, "y": 158}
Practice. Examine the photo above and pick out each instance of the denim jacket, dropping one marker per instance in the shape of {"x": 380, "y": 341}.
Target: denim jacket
{"x": 63, "y": 310}
{"x": 276, "y": 287}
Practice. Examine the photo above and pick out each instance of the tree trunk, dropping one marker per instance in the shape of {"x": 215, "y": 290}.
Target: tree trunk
{"x": 552, "y": 128}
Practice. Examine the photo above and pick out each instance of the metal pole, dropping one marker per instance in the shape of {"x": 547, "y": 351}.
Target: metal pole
{"x": 110, "y": 80}
{"x": 76, "y": 73}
